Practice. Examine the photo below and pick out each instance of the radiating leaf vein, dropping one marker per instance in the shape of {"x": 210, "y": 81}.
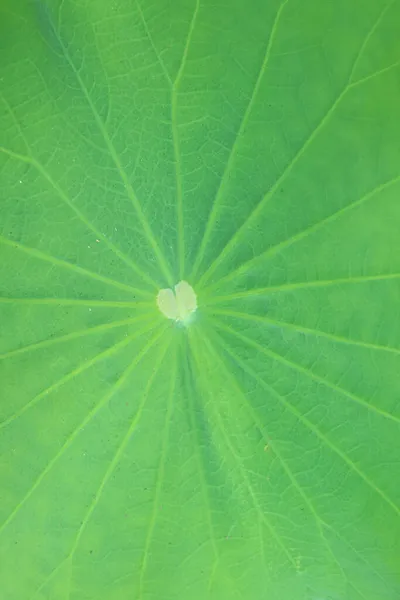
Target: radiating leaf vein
{"x": 307, "y": 330}
{"x": 80, "y": 333}
{"x": 124, "y": 442}
{"x": 74, "y": 373}
{"x": 246, "y": 266}
{"x": 307, "y": 423}
{"x": 72, "y": 436}
{"x": 211, "y": 220}
{"x": 72, "y": 267}
{"x": 113, "y": 153}
{"x": 159, "y": 477}
{"x": 254, "y": 214}
{"x": 263, "y": 515}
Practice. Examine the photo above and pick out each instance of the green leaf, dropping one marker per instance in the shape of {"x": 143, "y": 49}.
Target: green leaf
{"x": 248, "y": 446}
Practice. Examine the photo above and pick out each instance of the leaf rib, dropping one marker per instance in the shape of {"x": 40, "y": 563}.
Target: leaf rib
{"x": 211, "y": 219}
{"x": 273, "y": 250}
{"x": 122, "y": 173}
{"x": 289, "y": 472}
{"x": 202, "y": 472}
{"x": 160, "y": 479}
{"x": 118, "y": 453}
{"x": 307, "y": 330}
{"x": 176, "y": 146}
{"x": 301, "y": 285}
{"x": 369, "y": 35}
{"x": 187, "y": 44}
{"x": 77, "y": 371}
{"x": 293, "y": 365}
{"x": 263, "y": 516}
{"x": 72, "y": 436}
{"x": 37, "y": 165}
{"x": 358, "y": 553}
{"x": 72, "y": 302}
{"x": 259, "y": 207}
{"x": 71, "y": 336}
{"x": 150, "y": 38}
{"x": 375, "y": 74}
{"x": 305, "y": 421}
{"x": 67, "y": 265}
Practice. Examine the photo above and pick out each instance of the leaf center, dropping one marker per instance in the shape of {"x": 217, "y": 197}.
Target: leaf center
{"x": 178, "y": 304}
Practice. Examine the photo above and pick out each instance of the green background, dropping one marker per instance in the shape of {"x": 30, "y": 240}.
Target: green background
{"x": 252, "y": 149}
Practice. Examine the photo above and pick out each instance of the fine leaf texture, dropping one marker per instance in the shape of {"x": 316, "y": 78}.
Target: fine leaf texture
{"x": 251, "y": 149}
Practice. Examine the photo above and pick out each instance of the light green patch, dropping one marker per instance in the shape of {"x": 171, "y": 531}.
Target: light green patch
{"x": 180, "y": 304}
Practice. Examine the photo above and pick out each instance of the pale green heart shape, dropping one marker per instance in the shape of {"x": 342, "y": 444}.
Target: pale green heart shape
{"x": 178, "y": 304}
